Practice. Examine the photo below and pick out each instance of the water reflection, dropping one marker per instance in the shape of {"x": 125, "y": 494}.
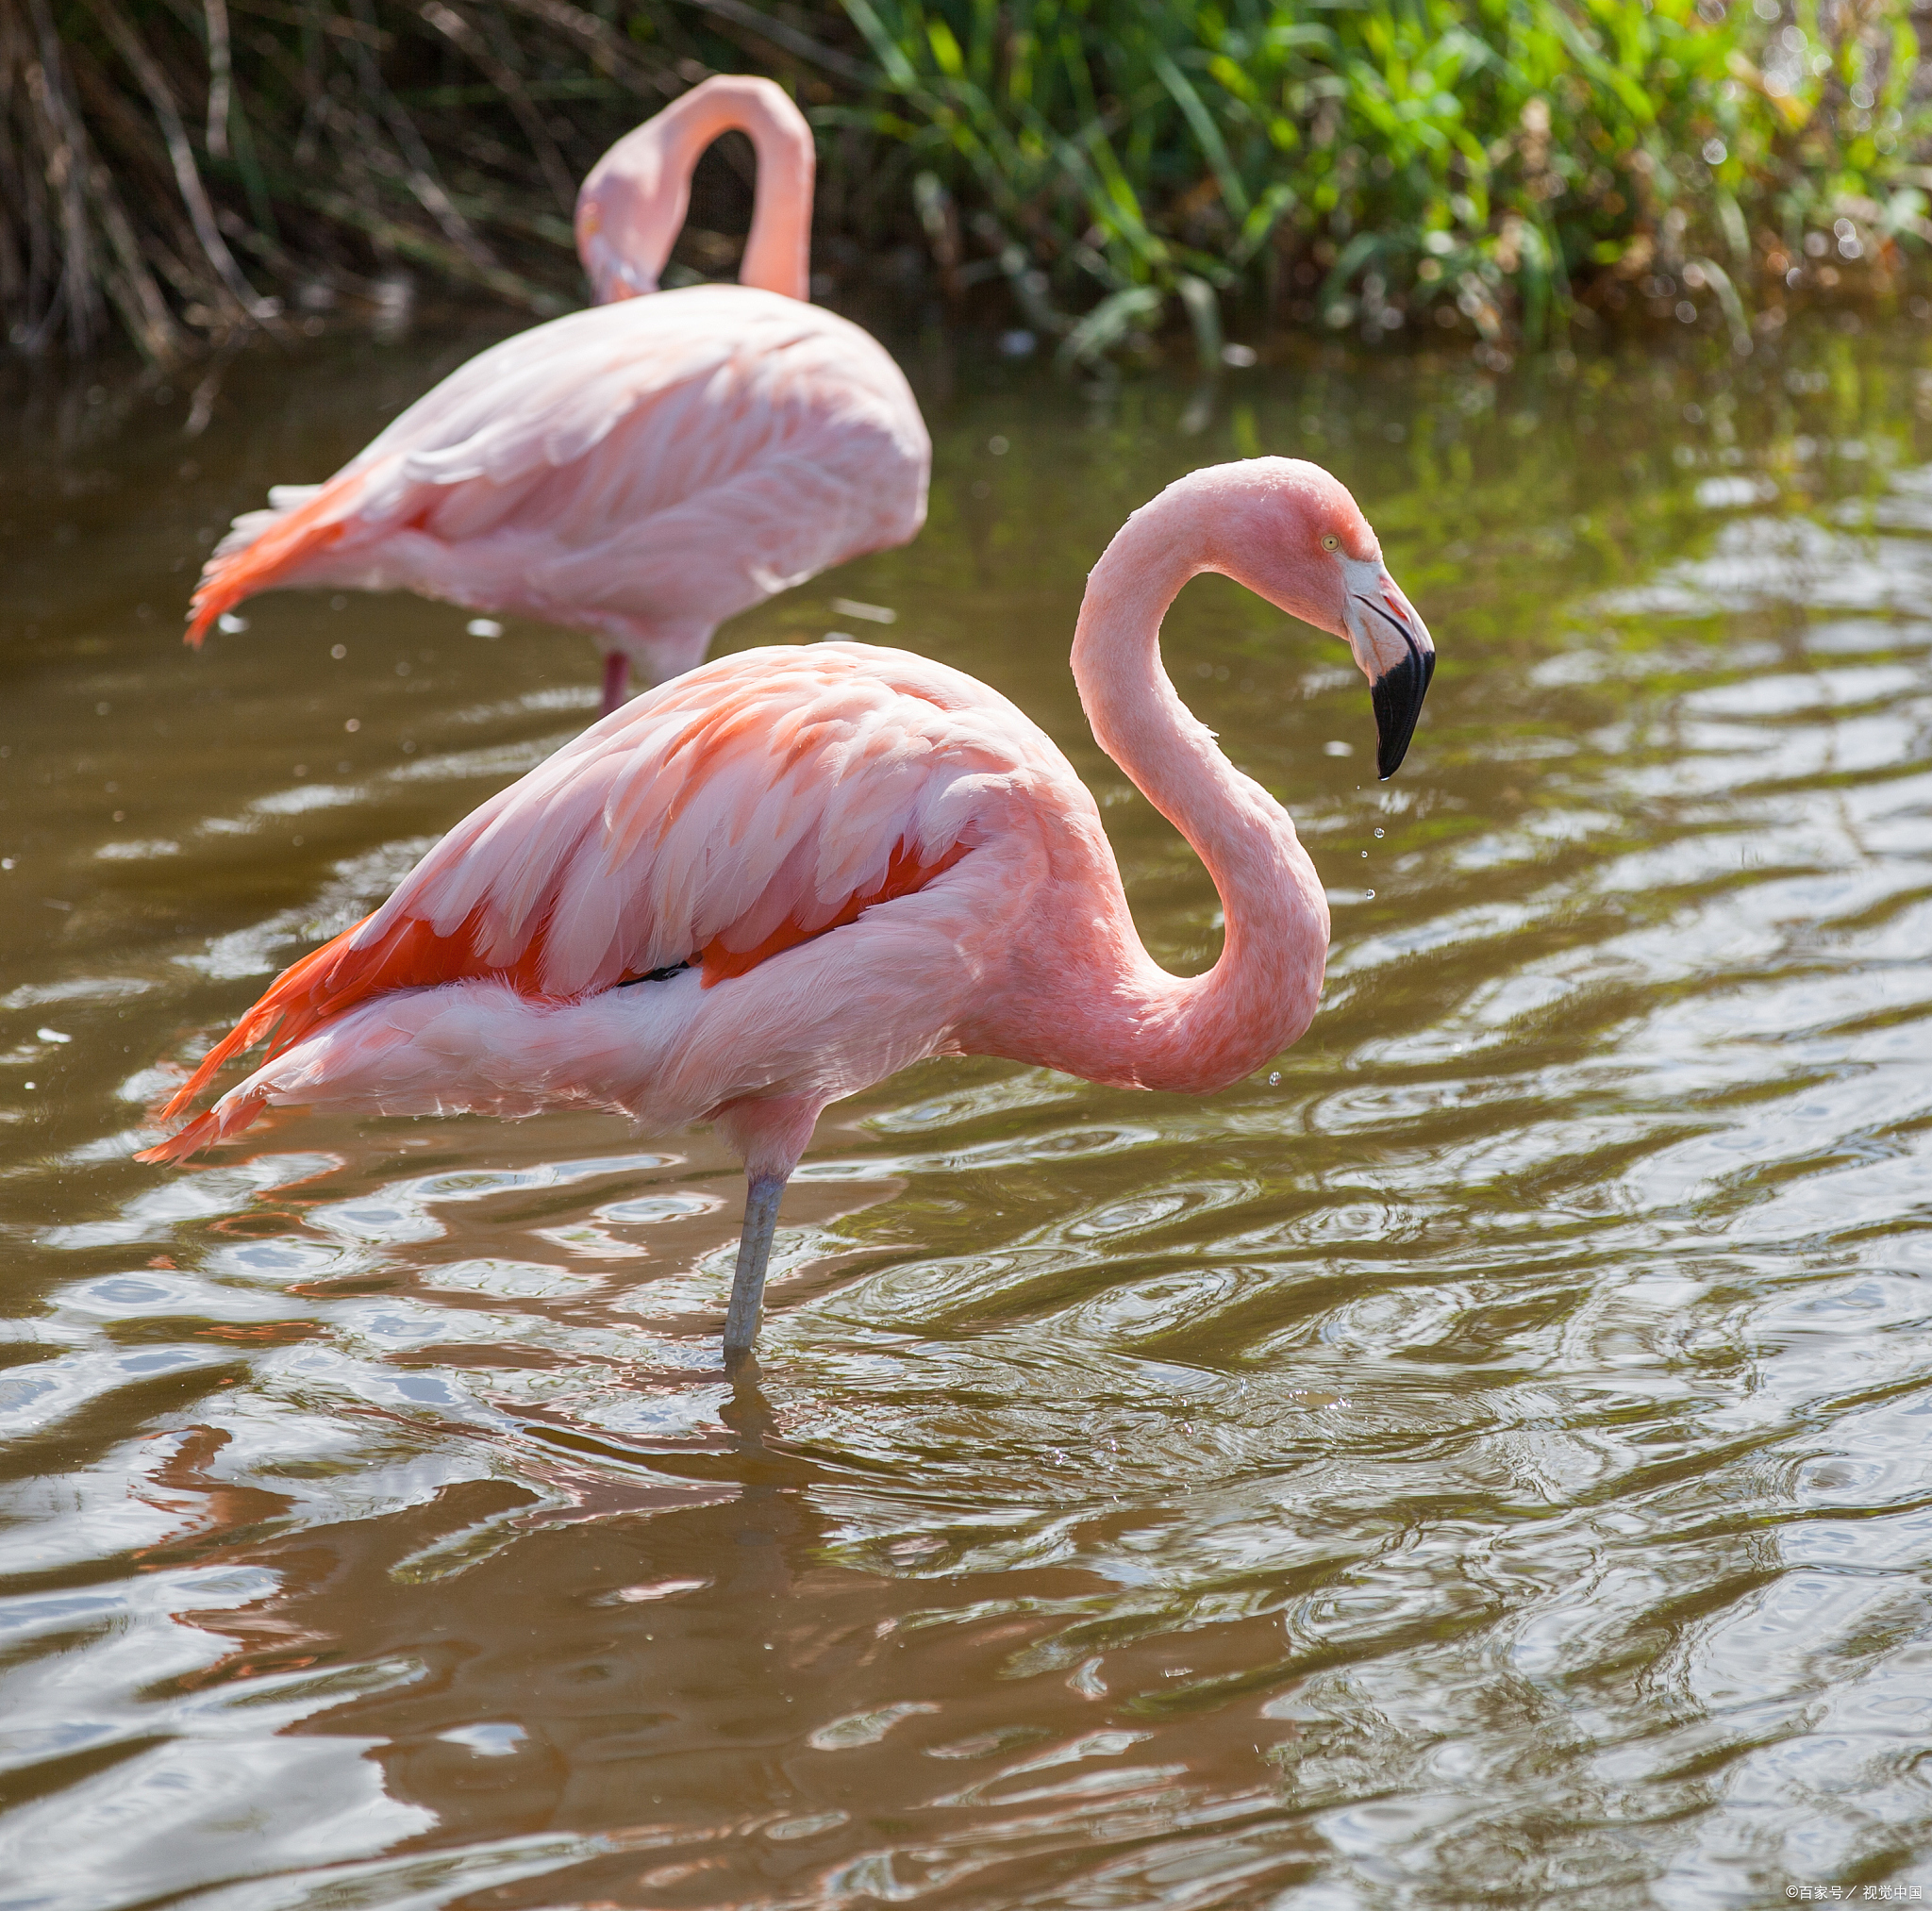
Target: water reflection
{"x": 1479, "y": 1455}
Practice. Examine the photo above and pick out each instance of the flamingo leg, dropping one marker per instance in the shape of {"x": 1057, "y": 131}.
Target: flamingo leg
{"x": 754, "y": 1250}
{"x": 616, "y": 680}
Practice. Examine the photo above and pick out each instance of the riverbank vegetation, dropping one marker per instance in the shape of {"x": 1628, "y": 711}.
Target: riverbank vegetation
{"x": 1075, "y": 173}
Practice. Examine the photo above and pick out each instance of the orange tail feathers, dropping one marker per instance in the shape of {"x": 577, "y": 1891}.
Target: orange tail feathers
{"x": 204, "y": 1131}
{"x": 326, "y": 983}
{"x": 260, "y": 563}
{"x": 296, "y": 999}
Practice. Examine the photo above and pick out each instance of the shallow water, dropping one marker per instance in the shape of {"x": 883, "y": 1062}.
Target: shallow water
{"x": 1481, "y": 1459}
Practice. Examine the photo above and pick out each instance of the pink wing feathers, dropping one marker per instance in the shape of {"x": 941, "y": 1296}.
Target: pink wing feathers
{"x": 746, "y": 808}
{"x": 681, "y": 455}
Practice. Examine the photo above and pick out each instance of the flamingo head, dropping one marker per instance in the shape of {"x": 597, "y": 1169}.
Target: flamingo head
{"x": 617, "y": 234}
{"x": 1305, "y": 546}
{"x": 632, "y": 203}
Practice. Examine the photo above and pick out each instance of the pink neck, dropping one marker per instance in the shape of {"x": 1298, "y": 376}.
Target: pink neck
{"x": 1125, "y": 1019}
{"x": 632, "y": 204}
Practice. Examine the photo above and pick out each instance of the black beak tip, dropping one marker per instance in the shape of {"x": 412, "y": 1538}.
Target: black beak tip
{"x": 1398, "y": 697}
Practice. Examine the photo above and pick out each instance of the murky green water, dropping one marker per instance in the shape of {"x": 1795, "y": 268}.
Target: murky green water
{"x": 1481, "y": 1460}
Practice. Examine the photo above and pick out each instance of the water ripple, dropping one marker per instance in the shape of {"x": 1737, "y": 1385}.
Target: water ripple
{"x": 1479, "y": 1456}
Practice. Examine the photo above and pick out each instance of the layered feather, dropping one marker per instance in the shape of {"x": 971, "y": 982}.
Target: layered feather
{"x": 660, "y": 462}
{"x": 747, "y": 807}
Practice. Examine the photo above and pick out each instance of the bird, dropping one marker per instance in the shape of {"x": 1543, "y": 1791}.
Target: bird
{"x": 781, "y": 878}
{"x": 640, "y": 470}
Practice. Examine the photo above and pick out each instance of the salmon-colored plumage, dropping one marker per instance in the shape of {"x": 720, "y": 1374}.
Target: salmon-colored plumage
{"x": 906, "y": 872}
{"x": 641, "y": 471}
{"x": 410, "y": 954}
{"x": 748, "y": 808}
{"x": 785, "y": 874}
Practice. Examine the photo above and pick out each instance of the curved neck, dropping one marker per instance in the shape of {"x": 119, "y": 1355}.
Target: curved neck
{"x": 1147, "y": 1026}
{"x": 632, "y": 203}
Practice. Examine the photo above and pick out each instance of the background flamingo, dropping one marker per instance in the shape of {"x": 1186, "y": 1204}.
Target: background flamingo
{"x": 642, "y": 469}
{"x": 777, "y": 880}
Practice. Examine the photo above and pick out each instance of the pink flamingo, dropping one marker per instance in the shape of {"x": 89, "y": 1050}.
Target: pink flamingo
{"x": 782, "y": 877}
{"x": 642, "y": 469}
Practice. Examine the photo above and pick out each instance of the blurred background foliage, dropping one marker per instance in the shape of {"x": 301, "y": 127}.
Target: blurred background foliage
{"x": 1077, "y": 173}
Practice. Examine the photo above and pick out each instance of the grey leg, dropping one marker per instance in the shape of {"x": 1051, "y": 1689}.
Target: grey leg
{"x": 753, "y": 1251}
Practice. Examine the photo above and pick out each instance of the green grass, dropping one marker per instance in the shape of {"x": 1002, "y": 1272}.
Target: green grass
{"x": 1371, "y": 161}
{"x": 1094, "y": 169}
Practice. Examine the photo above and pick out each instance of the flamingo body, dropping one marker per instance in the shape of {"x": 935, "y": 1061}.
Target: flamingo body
{"x": 732, "y": 821}
{"x": 641, "y": 471}
{"x": 789, "y": 874}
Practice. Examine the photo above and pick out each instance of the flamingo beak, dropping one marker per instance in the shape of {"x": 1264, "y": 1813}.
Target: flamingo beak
{"x": 1395, "y": 652}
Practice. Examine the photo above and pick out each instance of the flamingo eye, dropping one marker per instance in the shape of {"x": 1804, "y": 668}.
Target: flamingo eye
{"x": 1331, "y": 542}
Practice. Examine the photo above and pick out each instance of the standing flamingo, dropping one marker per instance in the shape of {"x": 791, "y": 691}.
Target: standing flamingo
{"x": 786, "y": 876}
{"x": 642, "y": 469}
